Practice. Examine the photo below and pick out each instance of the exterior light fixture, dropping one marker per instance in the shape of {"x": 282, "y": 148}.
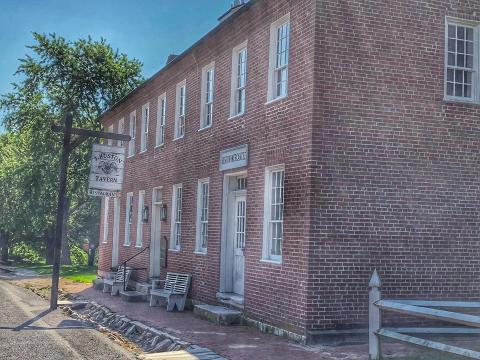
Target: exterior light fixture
{"x": 163, "y": 212}
{"x": 145, "y": 214}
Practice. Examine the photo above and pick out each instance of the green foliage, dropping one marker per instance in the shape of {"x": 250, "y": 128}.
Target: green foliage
{"x": 85, "y": 77}
{"x": 24, "y": 253}
{"x": 78, "y": 255}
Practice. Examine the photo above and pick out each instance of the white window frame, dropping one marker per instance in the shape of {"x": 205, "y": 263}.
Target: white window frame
{"x": 176, "y": 222}
{"x": 141, "y": 205}
{"x": 121, "y": 130}
{"x": 475, "y": 25}
{"x": 180, "y": 110}
{"x": 207, "y": 96}
{"x": 161, "y": 120}
{"x": 145, "y": 124}
{"x": 106, "y": 209}
{"x": 110, "y": 130}
{"x": 203, "y": 210}
{"x": 128, "y": 219}
{"x": 236, "y": 85}
{"x": 272, "y": 68}
{"x": 132, "y": 130}
{"x": 267, "y": 220}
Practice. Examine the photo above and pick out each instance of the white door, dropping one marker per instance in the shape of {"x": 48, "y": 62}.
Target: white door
{"x": 116, "y": 230}
{"x": 239, "y": 244}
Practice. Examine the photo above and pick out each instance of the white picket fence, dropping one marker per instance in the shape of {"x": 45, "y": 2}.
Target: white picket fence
{"x": 424, "y": 309}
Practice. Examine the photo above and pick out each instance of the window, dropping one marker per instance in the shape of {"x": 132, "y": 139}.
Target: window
{"x": 180, "y": 111}
{"x": 176, "y": 217}
{"x": 161, "y": 120}
{"x": 145, "y": 116}
{"x": 202, "y": 215}
{"x": 239, "y": 80}
{"x": 110, "y": 130}
{"x": 141, "y": 204}
{"x": 279, "y": 53}
{"x": 105, "y": 219}
{"x": 461, "y": 61}
{"x": 132, "y": 130}
{"x": 121, "y": 130}
{"x": 128, "y": 219}
{"x": 273, "y": 213}
{"x": 206, "y": 117}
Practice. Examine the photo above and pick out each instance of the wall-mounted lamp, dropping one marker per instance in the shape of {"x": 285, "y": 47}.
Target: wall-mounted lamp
{"x": 145, "y": 214}
{"x": 163, "y": 212}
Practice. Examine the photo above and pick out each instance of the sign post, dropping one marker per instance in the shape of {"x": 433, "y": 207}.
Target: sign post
{"x": 68, "y": 147}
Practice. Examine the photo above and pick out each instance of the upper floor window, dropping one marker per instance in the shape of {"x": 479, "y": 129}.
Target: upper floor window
{"x": 161, "y": 120}
{"x": 180, "y": 110}
{"x": 202, "y": 215}
{"x": 176, "y": 233}
{"x": 121, "y": 130}
{"x": 145, "y": 120}
{"x": 132, "y": 133}
{"x": 279, "y": 57}
{"x": 239, "y": 80}
{"x": 128, "y": 219}
{"x": 206, "y": 116}
{"x": 461, "y": 60}
{"x": 273, "y": 213}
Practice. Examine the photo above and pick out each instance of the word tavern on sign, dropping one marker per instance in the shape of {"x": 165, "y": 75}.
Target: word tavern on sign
{"x": 106, "y": 170}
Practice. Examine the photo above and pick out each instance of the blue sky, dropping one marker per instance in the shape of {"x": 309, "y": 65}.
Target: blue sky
{"x": 148, "y": 30}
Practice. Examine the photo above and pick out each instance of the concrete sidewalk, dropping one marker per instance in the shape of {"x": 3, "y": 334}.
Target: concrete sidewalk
{"x": 233, "y": 342}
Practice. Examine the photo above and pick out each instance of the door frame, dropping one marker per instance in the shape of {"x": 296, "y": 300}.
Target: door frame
{"x": 116, "y": 232}
{"x": 224, "y": 234}
{"x": 155, "y": 221}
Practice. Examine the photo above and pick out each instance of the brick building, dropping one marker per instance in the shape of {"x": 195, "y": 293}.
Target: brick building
{"x": 298, "y": 146}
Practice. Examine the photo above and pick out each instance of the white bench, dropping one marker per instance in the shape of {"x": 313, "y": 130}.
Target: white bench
{"x": 175, "y": 291}
{"x": 115, "y": 285}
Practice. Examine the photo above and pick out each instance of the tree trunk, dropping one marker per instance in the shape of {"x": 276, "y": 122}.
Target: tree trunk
{"x": 65, "y": 245}
{"x": 4, "y": 246}
{"x": 49, "y": 244}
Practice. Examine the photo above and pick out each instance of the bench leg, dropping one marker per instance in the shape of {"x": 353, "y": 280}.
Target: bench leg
{"x": 106, "y": 288}
{"x": 154, "y": 301}
{"x": 170, "y": 303}
{"x": 116, "y": 290}
{"x": 180, "y": 301}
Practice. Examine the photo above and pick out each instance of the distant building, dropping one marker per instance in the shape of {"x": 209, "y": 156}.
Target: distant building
{"x": 298, "y": 146}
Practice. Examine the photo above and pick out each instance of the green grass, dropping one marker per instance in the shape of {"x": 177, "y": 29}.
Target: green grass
{"x": 77, "y": 273}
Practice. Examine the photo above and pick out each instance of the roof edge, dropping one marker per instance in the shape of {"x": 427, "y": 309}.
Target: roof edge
{"x": 172, "y": 63}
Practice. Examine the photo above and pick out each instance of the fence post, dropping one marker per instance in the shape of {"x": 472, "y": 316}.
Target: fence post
{"x": 374, "y": 318}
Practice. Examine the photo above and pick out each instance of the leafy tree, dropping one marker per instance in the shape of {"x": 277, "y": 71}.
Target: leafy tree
{"x": 85, "y": 77}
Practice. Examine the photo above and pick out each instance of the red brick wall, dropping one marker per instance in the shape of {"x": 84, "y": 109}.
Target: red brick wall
{"x": 396, "y": 174}
{"x": 276, "y": 133}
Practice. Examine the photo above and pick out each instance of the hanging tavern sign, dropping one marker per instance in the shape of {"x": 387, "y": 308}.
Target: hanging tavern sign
{"x": 106, "y": 170}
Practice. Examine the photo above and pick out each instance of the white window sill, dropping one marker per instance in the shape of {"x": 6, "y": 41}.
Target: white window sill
{"x": 138, "y": 246}
{"x": 104, "y": 242}
{"x": 270, "y": 261}
{"x": 205, "y": 128}
{"x": 127, "y": 245}
{"x": 233, "y": 117}
{"x": 179, "y": 138}
{"x": 174, "y": 250}
{"x": 459, "y": 100}
{"x": 159, "y": 146}
{"x": 273, "y": 101}
{"x": 200, "y": 252}
{"x": 130, "y": 156}
{"x": 143, "y": 151}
